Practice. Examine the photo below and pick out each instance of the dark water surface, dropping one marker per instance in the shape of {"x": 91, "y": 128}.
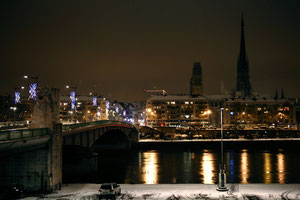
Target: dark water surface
{"x": 192, "y": 166}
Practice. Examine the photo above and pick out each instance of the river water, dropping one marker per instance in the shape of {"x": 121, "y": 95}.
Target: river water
{"x": 193, "y": 166}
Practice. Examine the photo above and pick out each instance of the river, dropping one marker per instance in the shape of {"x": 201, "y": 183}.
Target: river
{"x": 192, "y": 166}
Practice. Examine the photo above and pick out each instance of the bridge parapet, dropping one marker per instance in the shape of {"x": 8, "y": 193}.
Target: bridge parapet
{"x": 19, "y": 134}
{"x": 67, "y": 127}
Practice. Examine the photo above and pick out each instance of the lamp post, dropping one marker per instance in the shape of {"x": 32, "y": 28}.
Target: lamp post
{"x": 14, "y": 108}
{"x": 222, "y": 176}
{"x": 73, "y": 99}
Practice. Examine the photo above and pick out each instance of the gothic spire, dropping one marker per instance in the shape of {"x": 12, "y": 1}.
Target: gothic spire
{"x": 243, "y": 85}
{"x": 243, "y": 57}
{"x": 282, "y": 94}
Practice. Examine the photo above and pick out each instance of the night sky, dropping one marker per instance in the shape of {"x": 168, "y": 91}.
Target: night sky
{"x": 119, "y": 48}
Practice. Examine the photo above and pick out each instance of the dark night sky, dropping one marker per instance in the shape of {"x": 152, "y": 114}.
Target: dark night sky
{"x": 119, "y": 48}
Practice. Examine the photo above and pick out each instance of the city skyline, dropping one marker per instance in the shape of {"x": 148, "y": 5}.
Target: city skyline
{"x": 118, "y": 50}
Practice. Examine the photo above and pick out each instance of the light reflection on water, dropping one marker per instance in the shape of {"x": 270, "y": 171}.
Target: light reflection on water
{"x": 149, "y": 168}
{"x": 267, "y": 168}
{"x": 244, "y": 167}
{"x": 197, "y": 166}
{"x": 207, "y": 168}
{"x": 281, "y": 167}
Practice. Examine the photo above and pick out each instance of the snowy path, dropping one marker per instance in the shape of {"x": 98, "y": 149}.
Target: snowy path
{"x": 180, "y": 191}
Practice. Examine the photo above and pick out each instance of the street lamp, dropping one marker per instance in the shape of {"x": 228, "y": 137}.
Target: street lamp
{"x": 14, "y": 109}
{"x": 36, "y": 78}
{"x": 222, "y": 176}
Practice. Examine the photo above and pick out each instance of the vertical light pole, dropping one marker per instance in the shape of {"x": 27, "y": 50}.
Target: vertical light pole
{"x": 14, "y": 108}
{"x": 222, "y": 176}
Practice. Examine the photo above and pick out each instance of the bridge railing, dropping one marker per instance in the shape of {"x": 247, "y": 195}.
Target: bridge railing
{"x": 67, "y": 127}
{"x": 22, "y": 134}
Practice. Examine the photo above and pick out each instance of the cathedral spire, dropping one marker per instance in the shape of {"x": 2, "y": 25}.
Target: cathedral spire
{"x": 243, "y": 86}
{"x": 243, "y": 57}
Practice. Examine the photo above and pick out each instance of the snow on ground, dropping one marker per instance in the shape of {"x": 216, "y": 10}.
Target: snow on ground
{"x": 179, "y": 191}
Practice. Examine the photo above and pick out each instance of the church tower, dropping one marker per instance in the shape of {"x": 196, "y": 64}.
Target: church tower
{"x": 196, "y": 86}
{"x": 243, "y": 86}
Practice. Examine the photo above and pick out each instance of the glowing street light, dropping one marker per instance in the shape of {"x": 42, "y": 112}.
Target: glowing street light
{"x": 14, "y": 109}
{"x": 36, "y": 78}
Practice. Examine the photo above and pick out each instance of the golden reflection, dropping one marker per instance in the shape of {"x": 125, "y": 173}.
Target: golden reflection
{"x": 267, "y": 157}
{"x": 150, "y": 166}
{"x": 244, "y": 167}
{"x": 207, "y": 168}
{"x": 281, "y": 167}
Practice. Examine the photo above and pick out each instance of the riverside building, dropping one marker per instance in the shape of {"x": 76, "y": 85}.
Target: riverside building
{"x": 259, "y": 113}
{"x": 177, "y": 111}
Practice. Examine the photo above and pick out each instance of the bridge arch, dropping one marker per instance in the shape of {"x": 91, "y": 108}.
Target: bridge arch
{"x": 87, "y": 136}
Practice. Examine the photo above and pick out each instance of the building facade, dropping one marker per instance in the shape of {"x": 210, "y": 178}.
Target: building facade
{"x": 177, "y": 111}
{"x": 259, "y": 113}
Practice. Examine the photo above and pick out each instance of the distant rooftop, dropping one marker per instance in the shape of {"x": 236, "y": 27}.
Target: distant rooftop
{"x": 258, "y": 100}
{"x": 175, "y": 97}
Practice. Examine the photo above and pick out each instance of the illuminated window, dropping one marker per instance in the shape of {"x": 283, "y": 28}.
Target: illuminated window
{"x": 187, "y": 102}
{"x": 259, "y": 109}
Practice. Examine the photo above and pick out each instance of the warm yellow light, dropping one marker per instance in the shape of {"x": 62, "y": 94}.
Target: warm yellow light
{"x": 208, "y": 112}
{"x": 150, "y": 167}
{"x": 281, "y": 168}
{"x": 244, "y": 167}
{"x": 243, "y": 113}
{"x": 149, "y": 110}
{"x": 267, "y": 168}
{"x": 207, "y": 168}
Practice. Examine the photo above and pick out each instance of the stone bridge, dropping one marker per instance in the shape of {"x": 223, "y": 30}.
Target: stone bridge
{"x": 86, "y": 134}
{"x": 33, "y": 157}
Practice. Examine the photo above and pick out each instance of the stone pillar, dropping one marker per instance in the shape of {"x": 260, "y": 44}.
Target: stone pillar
{"x": 55, "y": 151}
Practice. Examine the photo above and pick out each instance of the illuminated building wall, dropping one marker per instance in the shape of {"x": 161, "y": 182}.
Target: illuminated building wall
{"x": 85, "y": 109}
{"x": 177, "y": 111}
{"x": 259, "y": 112}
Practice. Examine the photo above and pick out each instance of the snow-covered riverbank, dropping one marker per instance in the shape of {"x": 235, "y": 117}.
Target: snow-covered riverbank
{"x": 179, "y": 191}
